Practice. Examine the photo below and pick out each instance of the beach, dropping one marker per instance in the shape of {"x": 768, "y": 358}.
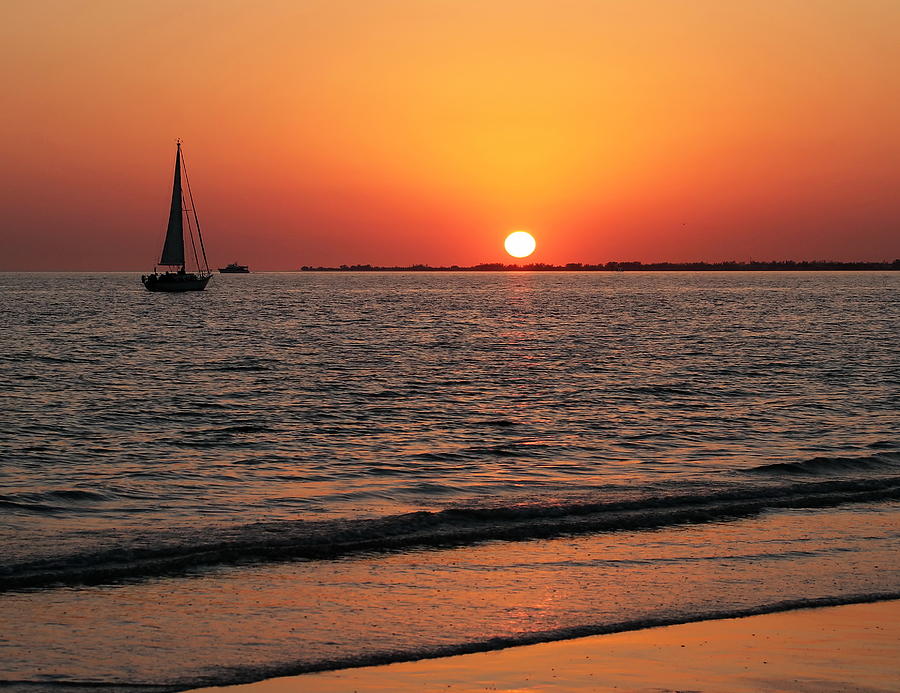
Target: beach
{"x": 844, "y": 648}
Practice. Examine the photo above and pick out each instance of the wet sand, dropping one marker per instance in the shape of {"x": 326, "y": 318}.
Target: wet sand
{"x": 844, "y": 648}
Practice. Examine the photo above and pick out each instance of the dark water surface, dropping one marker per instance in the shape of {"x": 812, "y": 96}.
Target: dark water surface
{"x": 298, "y": 471}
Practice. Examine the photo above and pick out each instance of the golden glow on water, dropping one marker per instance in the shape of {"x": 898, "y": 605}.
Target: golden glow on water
{"x": 379, "y": 394}
{"x": 845, "y": 648}
{"x": 410, "y": 601}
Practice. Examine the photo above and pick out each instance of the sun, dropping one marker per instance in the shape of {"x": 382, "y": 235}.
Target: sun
{"x": 519, "y": 244}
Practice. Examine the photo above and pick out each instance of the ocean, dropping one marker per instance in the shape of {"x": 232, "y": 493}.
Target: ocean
{"x": 306, "y": 471}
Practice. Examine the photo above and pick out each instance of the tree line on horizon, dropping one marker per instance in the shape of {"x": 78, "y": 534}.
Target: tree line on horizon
{"x": 630, "y": 266}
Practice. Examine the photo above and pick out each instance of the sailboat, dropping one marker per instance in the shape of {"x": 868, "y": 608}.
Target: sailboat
{"x": 177, "y": 278}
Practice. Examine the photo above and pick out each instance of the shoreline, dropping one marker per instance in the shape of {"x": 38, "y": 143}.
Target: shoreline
{"x": 837, "y": 646}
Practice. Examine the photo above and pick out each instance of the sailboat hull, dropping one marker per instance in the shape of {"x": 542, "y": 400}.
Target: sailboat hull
{"x": 175, "y": 283}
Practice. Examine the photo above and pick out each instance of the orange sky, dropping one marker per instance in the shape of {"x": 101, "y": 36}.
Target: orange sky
{"x": 403, "y": 131}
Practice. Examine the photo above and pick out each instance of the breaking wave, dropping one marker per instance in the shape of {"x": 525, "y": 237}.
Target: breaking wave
{"x": 824, "y": 466}
{"x": 328, "y": 539}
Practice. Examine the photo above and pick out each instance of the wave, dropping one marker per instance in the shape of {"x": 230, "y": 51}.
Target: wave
{"x": 49, "y": 502}
{"x": 242, "y": 428}
{"x": 881, "y": 445}
{"x": 478, "y": 452}
{"x": 231, "y": 676}
{"x": 496, "y": 423}
{"x": 237, "y": 365}
{"x": 461, "y": 526}
{"x": 823, "y": 466}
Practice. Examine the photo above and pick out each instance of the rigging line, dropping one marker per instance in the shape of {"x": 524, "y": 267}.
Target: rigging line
{"x": 187, "y": 216}
{"x": 194, "y": 211}
{"x": 191, "y": 235}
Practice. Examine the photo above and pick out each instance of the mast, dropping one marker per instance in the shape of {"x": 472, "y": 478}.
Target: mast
{"x": 173, "y": 248}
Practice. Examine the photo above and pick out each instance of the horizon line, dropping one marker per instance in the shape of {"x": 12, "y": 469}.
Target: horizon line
{"x": 626, "y": 265}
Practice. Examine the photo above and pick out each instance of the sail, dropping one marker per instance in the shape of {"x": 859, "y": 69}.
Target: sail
{"x": 173, "y": 249}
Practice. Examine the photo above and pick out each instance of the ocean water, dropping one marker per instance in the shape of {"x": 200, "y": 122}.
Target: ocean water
{"x": 296, "y": 472}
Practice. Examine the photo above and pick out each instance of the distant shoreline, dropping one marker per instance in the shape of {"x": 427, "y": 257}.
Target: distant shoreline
{"x": 774, "y": 266}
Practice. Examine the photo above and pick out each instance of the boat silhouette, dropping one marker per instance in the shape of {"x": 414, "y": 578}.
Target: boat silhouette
{"x": 177, "y": 278}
